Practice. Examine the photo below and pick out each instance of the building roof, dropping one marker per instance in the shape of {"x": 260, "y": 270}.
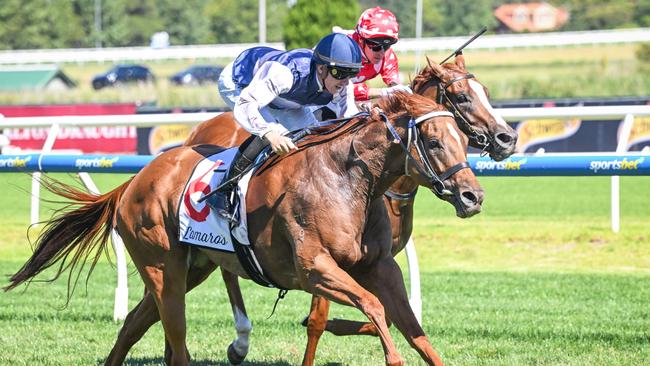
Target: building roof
{"x": 532, "y": 17}
{"x": 32, "y": 77}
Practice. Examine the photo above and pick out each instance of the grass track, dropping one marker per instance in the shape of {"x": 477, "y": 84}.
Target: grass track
{"x": 536, "y": 279}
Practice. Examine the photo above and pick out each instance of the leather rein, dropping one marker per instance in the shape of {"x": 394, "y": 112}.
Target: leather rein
{"x": 442, "y": 97}
{"x": 424, "y": 166}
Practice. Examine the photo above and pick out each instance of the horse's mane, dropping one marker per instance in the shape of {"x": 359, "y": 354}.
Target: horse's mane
{"x": 404, "y": 103}
{"x": 394, "y": 106}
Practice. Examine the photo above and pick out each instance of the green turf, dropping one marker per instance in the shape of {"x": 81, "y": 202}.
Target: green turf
{"x": 537, "y": 278}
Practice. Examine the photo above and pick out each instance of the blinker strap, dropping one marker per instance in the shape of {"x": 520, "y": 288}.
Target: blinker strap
{"x": 458, "y": 78}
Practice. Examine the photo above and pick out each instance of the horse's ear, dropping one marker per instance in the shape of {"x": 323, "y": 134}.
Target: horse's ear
{"x": 437, "y": 69}
{"x": 460, "y": 61}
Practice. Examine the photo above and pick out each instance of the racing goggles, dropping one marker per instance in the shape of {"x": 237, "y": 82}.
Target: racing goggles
{"x": 380, "y": 43}
{"x": 340, "y": 73}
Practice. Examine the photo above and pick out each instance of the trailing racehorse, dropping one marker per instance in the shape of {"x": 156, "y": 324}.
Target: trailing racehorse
{"x": 340, "y": 250}
{"x": 460, "y": 92}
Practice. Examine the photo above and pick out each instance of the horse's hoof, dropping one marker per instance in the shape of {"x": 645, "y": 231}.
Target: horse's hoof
{"x": 234, "y": 357}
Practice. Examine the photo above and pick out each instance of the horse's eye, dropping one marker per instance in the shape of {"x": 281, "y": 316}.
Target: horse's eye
{"x": 434, "y": 144}
{"x": 462, "y": 98}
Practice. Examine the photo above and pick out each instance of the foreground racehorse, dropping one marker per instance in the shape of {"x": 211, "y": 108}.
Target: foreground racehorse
{"x": 460, "y": 92}
{"x": 339, "y": 248}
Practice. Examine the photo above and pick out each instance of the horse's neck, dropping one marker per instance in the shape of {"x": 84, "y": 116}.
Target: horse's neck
{"x": 404, "y": 185}
{"x": 371, "y": 161}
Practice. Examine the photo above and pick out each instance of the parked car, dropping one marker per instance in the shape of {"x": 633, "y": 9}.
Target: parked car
{"x": 197, "y": 74}
{"x": 122, "y": 74}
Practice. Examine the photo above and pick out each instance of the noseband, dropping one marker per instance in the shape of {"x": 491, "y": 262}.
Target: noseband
{"x": 442, "y": 98}
{"x": 425, "y": 168}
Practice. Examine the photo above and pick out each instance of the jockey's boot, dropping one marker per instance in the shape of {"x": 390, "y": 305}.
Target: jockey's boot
{"x": 222, "y": 200}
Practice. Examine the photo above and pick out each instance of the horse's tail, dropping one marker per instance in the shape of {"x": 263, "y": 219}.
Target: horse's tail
{"x": 73, "y": 234}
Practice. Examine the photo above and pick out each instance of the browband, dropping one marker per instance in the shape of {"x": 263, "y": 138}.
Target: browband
{"x": 433, "y": 114}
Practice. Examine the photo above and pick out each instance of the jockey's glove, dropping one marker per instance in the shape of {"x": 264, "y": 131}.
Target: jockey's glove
{"x": 399, "y": 87}
{"x": 279, "y": 143}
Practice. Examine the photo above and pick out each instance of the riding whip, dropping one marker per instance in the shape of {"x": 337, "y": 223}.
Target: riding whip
{"x": 459, "y": 50}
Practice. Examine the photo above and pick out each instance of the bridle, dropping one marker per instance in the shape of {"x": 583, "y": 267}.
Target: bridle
{"x": 424, "y": 166}
{"x": 442, "y": 98}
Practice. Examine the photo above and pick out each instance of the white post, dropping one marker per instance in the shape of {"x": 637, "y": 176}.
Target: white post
{"x": 418, "y": 32}
{"x": 415, "y": 298}
{"x": 623, "y": 139}
{"x": 36, "y": 197}
{"x": 36, "y": 185}
{"x": 261, "y": 21}
{"x": 121, "y": 307}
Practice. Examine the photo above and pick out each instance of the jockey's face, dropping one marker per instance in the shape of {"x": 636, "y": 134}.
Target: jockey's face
{"x": 332, "y": 84}
{"x": 375, "y": 51}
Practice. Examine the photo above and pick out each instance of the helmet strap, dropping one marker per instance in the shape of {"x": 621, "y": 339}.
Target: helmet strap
{"x": 321, "y": 72}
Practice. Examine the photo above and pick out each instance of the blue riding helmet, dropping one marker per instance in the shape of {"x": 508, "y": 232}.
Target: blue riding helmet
{"x": 338, "y": 51}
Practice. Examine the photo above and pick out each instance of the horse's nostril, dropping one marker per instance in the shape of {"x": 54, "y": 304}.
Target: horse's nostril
{"x": 469, "y": 197}
{"x": 505, "y": 138}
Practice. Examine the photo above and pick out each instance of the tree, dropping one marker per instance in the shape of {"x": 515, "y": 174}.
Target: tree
{"x": 463, "y": 17}
{"x": 310, "y": 20}
{"x": 129, "y": 23}
{"x": 185, "y": 21}
{"x": 38, "y": 24}
{"x": 598, "y": 14}
{"x": 65, "y": 26}
{"x": 236, "y": 21}
{"x": 232, "y": 21}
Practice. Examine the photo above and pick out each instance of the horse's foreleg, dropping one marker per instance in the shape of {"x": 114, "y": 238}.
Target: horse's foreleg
{"x": 238, "y": 349}
{"x": 316, "y": 322}
{"x": 387, "y": 283}
{"x": 329, "y": 280}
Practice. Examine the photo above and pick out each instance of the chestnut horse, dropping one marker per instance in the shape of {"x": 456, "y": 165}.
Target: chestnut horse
{"x": 461, "y": 93}
{"x": 339, "y": 249}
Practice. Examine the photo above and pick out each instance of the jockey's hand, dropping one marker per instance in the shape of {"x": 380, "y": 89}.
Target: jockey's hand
{"x": 280, "y": 144}
{"x": 399, "y": 87}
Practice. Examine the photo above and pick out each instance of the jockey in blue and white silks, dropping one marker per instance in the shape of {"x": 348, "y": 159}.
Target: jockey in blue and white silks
{"x": 273, "y": 92}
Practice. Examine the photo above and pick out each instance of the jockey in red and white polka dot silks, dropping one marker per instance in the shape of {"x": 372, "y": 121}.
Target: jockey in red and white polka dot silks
{"x": 376, "y": 30}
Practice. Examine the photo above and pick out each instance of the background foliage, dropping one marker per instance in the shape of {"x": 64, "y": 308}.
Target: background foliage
{"x": 309, "y": 20}
{"x": 28, "y": 24}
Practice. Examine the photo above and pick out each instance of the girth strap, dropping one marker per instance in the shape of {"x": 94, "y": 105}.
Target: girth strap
{"x": 251, "y": 265}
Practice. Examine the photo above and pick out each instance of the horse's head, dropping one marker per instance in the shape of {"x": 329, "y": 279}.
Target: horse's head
{"x": 436, "y": 151}
{"x": 452, "y": 85}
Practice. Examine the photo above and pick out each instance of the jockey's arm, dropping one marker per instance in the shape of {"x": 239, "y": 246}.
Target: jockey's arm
{"x": 391, "y": 88}
{"x": 377, "y": 92}
{"x": 271, "y": 80}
